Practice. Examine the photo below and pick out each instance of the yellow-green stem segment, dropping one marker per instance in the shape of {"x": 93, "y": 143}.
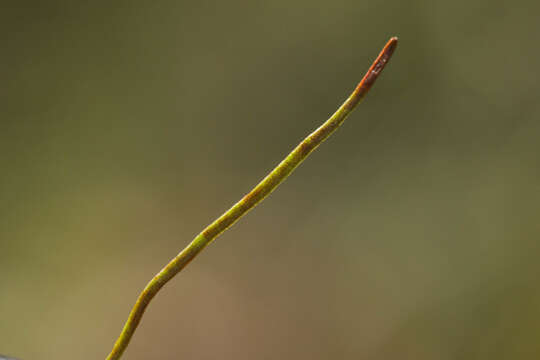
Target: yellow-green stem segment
{"x": 263, "y": 189}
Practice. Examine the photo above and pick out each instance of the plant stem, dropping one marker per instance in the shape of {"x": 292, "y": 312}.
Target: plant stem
{"x": 263, "y": 189}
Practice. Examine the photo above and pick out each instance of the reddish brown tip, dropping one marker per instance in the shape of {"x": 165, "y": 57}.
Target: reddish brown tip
{"x": 374, "y": 71}
{"x": 378, "y": 64}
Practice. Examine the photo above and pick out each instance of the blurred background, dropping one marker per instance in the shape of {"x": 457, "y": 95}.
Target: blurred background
{"x": 412, "y": 233}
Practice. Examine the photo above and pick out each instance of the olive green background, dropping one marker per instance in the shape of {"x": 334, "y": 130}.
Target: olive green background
{"x": 412, "y": 233}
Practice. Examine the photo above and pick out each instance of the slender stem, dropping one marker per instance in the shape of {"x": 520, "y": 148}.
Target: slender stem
{"x": 263, "y": 189}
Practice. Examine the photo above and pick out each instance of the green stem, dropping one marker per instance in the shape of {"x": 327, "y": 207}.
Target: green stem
{"x": 263, "y": 189}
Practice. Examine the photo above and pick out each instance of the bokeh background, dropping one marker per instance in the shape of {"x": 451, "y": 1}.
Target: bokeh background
{"x": 412, "y": 233}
